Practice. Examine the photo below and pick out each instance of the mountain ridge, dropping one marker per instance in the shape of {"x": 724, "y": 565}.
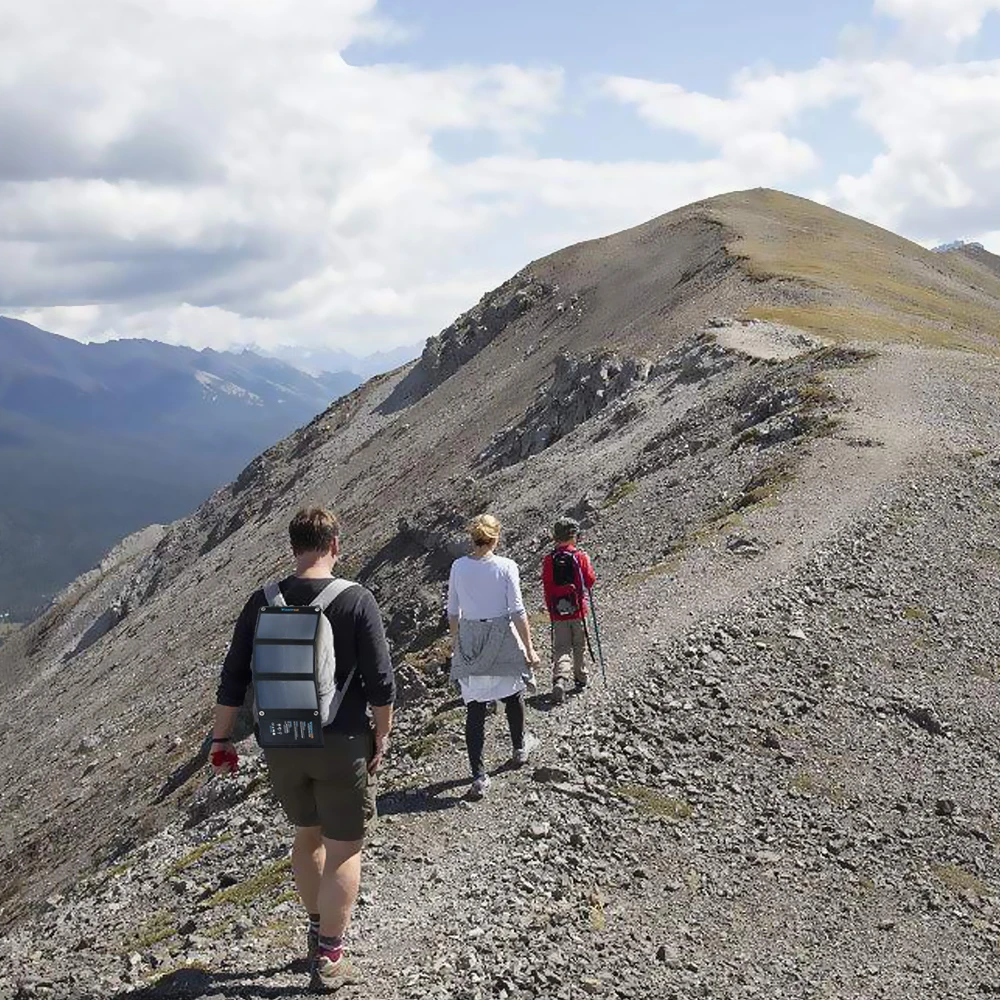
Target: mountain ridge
{"x": 763, "y": 500}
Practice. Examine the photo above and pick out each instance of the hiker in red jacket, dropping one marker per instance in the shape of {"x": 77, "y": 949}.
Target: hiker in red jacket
{"x": 567, "y": 576}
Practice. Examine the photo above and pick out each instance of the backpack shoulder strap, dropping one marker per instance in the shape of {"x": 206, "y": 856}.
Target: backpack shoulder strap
{"x": 330, "y": 593}
{"x": 273, "y": 595}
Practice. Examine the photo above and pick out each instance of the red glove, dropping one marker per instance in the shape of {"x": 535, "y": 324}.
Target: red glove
{"x": 224, "y": 758}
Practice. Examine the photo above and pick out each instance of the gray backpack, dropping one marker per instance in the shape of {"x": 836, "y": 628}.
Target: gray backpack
{"x": 295, "y": 669}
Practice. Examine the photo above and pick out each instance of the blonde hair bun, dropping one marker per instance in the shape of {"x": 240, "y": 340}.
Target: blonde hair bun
{"x": 485, "y": 529}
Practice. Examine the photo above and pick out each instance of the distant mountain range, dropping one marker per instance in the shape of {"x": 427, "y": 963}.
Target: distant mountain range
{"x": 97, "y": 440}
{"x": 321, "y": 359}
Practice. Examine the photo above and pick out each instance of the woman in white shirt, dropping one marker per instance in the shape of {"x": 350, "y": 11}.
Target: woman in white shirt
{"x": 492, "y": 653}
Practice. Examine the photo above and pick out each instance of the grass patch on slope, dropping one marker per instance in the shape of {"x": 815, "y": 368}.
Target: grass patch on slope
{"x": 159, "y": 927}
{"x": 246, "y": 892}
{"x": 855, "y": 323}
{"x": 957, "y": 879}
{"x": 654, "y": 803}
{"x": 619, "y": 492}
{"x": 876, "y": 285}
{"x": 195, "y": 855}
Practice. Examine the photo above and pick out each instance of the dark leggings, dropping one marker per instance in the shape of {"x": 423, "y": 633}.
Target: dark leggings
{"x": 475, "y": 729}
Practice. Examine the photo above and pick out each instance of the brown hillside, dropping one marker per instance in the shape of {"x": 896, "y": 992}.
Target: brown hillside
{"x": 666, "y": 386}
{"x": 861, "y": 281}
{"x": 979, "y": 255}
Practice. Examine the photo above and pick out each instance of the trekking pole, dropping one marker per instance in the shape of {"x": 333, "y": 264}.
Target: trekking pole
{"x": 586, "y": 635}
{"x": 597, "y": 636}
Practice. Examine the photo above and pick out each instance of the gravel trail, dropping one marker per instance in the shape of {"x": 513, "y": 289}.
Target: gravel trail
{"x": 786, "y": 787}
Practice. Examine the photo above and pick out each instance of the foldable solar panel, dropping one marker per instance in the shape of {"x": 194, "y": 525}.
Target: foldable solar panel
{"x": 284, "y": 677}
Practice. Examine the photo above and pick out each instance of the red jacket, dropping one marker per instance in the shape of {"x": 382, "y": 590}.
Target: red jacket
{"x": 585, "y": 580}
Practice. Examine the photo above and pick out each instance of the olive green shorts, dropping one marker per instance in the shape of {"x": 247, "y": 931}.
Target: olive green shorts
{"x": 328, "y": 787}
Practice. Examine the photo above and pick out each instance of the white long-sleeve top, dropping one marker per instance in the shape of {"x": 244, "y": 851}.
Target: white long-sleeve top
{"x": 479, "y": 589}
{"x": 484, "y": 588}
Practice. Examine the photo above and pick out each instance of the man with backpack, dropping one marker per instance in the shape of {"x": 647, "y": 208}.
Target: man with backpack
{"x": 314, "y": 683}
{"x": 567, "y": 578}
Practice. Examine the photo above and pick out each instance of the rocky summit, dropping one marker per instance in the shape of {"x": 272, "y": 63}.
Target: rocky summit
{"x": 778, "y": 427}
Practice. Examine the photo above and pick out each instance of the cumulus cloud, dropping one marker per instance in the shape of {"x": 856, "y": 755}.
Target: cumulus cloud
{"x": 953, "y": 20}
{"x": 939, "y": 171}
{"x": 217, "y": 172}
{"x": 760, "y": 105}
{"x": 225, "y": 156}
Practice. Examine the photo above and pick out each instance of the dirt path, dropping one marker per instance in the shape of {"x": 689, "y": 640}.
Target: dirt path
{"x": 510, "y": 897}
{"x": 438, "y": 868}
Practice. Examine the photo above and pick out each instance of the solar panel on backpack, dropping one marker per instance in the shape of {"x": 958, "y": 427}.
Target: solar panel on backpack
{"x": 286, "y": 696}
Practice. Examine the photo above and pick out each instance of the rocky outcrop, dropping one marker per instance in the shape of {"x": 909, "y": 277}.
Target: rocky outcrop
{"x": 409, "y": 572}
{"x": 140, "y": 586}
{"x": 458, "y": 343}
{"x": 580, "y": 389}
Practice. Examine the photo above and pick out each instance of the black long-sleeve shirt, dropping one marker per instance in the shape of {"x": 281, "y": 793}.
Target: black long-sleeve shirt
{"x": 358, "y": 640}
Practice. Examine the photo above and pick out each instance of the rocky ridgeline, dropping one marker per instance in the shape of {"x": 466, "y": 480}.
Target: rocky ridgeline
{"x": 786, "y": 789}
{"x": 580, "y": 388}
{"x": 792, "y": 794}
{"x": 474, "y": 330}
{"x": 444, "y": 354}
{"x": 635, "y": 472}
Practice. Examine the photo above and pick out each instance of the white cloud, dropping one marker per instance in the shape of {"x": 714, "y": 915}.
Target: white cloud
{"x": 216, "y": 172}
{"x": 224, "y": 155}
{"x": 953, "y": 20}
{"x": 939, "y": 172}
{"x": 990, "y": 240}
{"x": 761, "y": 104}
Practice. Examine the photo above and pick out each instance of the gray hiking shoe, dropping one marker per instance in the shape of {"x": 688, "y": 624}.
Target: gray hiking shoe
{"x": 480, "y": 786}
{"x": 558, "y": 693}
{"x": 329, "y": 976}
{"x": 521, "y": 754}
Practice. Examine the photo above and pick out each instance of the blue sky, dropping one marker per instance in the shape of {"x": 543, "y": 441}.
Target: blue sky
{"x": 354, "y": 173}
{"x": 698, "y": 45}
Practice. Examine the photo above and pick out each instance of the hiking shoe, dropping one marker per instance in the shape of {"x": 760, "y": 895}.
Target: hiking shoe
{"x": 521, "y": 754}
{"x": 328, "y": 976}
{"x": 558, "y": 694}
{"x": 480, "y": 786}
{"x": 582, "y": 682}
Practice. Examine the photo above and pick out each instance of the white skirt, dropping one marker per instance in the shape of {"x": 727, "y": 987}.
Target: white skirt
{"x": 489, "y": 687}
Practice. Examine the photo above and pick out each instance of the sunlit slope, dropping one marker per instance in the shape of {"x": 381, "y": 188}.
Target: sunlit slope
{"x": 847, "y": 279}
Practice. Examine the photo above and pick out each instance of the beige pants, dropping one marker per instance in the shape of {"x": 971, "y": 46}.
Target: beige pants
{"x": 569, "y": 647}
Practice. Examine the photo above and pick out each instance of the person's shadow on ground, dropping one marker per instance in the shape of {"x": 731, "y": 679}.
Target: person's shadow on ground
{"x": 430, "y": 798}
{"x": 199, "y": 984}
